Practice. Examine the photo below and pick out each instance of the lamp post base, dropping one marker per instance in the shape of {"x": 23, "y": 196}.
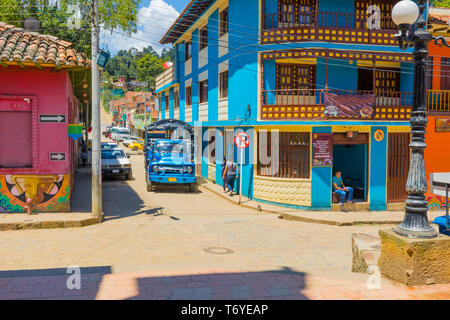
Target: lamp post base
{"x": 428, "y": 234}
{"x": 414, "y": 261}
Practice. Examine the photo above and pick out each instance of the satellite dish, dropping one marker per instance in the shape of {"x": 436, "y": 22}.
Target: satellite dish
{"x": 32, "y": 24}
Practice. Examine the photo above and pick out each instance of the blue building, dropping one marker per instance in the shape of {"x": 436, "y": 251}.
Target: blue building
{"x": 319, "y": 85}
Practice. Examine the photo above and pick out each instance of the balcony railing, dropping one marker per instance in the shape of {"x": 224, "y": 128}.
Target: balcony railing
{"x": 287, "y": 20}
{"x": 165, "y": 78}
{"x": 310, "y": 103}
{"x": 439, "y": 100}
{"x": 317, "y": 97}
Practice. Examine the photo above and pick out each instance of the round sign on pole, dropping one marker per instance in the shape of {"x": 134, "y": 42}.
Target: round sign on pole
{"x": 242, "y": 140}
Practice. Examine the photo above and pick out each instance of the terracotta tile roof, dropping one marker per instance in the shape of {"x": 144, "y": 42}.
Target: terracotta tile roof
{"x": 439, "y": 19}
{"x": 18, "y": 45}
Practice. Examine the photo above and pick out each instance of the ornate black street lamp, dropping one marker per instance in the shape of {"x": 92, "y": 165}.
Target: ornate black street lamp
{"x": 407, "y": 14}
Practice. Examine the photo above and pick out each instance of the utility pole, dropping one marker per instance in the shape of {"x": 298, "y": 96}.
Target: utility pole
{"x": 96, "y": 132}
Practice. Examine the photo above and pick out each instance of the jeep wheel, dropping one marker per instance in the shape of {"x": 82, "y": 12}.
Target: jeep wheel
{"x": 149, "y": 186}
{"x": 193, "y": 187}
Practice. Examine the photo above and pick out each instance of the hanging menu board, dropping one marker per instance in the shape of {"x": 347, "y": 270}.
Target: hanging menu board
{"x": 322, "y": 150}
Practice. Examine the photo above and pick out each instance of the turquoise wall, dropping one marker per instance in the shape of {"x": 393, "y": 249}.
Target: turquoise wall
{"x": 163, "y": 105}
{"x": 171, "y": 102}
{"x": 378, "y": 165}
{"x": 243, "y": 68}
{"x": 321, "y": 181}
{"x": 195, "y": 75}
{"x": 247, "y": 165}
{"x": 219, "y": 155}
{"x": 180, "y": 71}
{"x": 213, "y": 69}
{"x": 204, "y": 151}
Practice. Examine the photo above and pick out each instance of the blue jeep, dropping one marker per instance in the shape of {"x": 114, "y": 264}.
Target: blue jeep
{"x": 170, "y": 163}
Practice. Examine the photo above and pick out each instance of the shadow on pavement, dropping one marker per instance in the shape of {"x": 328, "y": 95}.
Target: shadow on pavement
{"x": 119, "y": 199}
{"x": 52, "y": 284}
{"x": 283, "y": 284}
{"x": 55, "y": 284}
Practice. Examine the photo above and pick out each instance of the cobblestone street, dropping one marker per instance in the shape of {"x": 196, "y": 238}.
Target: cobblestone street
{"x": 174, "y": 244}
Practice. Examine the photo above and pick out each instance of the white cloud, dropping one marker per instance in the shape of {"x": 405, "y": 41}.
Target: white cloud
{"x": 153, "y": 23}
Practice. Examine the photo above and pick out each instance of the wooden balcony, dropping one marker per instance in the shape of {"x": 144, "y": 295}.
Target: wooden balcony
{"x": 309, "y": 104}
{"x": 325, "y": 26}
{"x": 165, "y": 78}
{"x": 438, "y": 101}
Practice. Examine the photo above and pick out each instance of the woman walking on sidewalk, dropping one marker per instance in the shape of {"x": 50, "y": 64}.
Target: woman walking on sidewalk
{"x": 229, "y": 175}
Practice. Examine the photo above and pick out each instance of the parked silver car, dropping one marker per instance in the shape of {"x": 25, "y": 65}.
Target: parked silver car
{"x": 115, "y": 163}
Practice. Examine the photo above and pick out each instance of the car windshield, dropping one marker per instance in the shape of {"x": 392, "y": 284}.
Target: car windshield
{"x": 109, "y": 146}
{"x": 169, "y": 147}
{"x": 113, "y": 154}
{"x": 124, "y": 132}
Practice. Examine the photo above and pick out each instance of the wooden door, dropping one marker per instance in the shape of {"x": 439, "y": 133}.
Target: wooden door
{"x": 398, "y": 166}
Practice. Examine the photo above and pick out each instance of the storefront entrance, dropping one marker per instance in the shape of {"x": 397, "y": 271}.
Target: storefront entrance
{"x": 350, "y": 156}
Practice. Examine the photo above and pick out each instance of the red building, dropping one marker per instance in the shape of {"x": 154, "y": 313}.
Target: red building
{"x": 40, "y": 79}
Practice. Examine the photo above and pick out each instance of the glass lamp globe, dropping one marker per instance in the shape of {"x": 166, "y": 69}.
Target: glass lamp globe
{"x": 405, "y": 12}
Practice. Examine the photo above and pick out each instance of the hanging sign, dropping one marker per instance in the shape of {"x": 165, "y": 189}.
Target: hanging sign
{"x": 322, "y": 150}
{"x": 442, "y": 124}
{"x": 75, "y": 131}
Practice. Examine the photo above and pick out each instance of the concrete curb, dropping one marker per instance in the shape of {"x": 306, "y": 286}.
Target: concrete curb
{"x": 49, "y": 224}
{"x": 289, "y": 216}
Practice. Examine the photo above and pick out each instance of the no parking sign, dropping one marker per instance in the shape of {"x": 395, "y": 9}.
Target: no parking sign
{"x": 242, "y": 141}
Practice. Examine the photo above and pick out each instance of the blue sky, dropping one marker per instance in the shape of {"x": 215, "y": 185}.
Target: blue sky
{"x": 154, "y": 19}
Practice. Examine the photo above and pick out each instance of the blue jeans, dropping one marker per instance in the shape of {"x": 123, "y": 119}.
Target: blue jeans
{"x": 230, "y": 182}
{"x": 342, "y": 194}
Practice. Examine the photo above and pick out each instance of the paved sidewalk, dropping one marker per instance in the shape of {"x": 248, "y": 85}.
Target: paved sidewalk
{"x": 335, "y": 218}
{"x": 98, "y": 283}
{"x": 22, "y": 221}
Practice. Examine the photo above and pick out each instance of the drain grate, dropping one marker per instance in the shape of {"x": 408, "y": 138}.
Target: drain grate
{"x": 218, "y": 250}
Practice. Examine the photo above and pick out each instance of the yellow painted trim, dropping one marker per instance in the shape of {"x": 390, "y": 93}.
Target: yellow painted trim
{"x": 285, "y": 128}
{"x": 399, "y": 129}
{"x": 368, "y": 63}
{"x": 362, "y": 129}
{"x": 282, "y": 179}
{"x": 298, "y": 61}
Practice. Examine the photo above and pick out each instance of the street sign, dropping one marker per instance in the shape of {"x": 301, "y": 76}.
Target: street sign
{"x": 57, "y": 156}
{"x": 439, "y": 182}
{"x": 52, "y": 118}
{"x": 242, "y": 140}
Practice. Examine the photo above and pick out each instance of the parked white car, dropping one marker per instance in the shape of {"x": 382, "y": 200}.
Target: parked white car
{"x": 120, "y": 134}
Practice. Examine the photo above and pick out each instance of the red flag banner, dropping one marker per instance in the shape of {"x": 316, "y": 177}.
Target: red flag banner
{"x": 349, "y": 105}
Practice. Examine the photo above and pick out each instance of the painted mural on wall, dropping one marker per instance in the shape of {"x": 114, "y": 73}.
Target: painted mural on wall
{"x": 48, "y": 192}
{"x": 435, "y": 202}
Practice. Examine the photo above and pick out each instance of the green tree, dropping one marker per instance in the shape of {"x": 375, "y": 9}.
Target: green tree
{"x": 148, "y": 68}
{"x": 440, "y": 3}
{"x": 55, "y": 18}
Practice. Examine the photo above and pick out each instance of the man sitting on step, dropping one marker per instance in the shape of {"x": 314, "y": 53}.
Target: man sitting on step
{"x": 342, "y": 190}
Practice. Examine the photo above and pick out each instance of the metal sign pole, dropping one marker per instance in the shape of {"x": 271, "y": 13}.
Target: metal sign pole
{"x": 240, "y": 173}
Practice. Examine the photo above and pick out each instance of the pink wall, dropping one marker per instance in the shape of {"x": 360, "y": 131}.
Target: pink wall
{"x": 53, "y": 93}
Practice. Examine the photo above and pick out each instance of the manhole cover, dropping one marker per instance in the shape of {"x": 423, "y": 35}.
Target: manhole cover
{"x": 218, "y": 250}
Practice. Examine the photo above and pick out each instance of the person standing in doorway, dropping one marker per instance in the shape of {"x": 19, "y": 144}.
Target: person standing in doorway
{"x": 230, "y": 174}
{"x": 342, "y": 190}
